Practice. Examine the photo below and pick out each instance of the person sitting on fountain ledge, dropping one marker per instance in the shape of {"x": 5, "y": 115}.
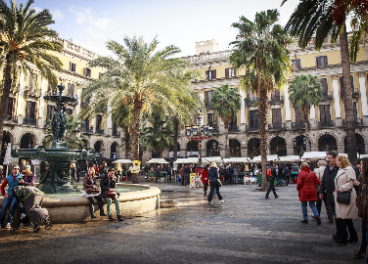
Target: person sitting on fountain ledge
{"x": 108, "y": 182}
{"x": 9, "y": 200}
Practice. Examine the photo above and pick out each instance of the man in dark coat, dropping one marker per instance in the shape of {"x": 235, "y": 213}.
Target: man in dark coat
{"x": 230, "y": 174}
{"x": 170, "y": 172}
{"x": 187, "y": 172}
{"x": 328, "y": 185}
{"x": 272, "y": 181}
{"x": 109, "y": 182}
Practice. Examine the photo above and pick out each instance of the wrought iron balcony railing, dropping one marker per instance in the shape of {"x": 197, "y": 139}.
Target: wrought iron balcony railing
{"x": 326, "y": 123}
{"x": 276, "y": 126}
{"x": 30, "y": 121}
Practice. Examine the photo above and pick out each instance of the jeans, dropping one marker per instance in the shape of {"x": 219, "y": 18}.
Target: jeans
{"x": 9, "y": 201}
{"x": 182, "y": 179}
{"x": 236, "y": 179}
{"x": 312, "y": 205}
{"x": 214, "y": 185}
{"x": 117, "y": 206}
{"x": 188, "y": 179}
{"x": 363, "y": 245}
{"x": 272, "y": 187}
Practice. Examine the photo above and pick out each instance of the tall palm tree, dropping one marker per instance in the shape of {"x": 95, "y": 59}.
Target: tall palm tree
{"x": 305, "y": 91}
{"x": 25, "y": 40}
{"x": 261, "y": 47}
{"x": 319, "y": 19}
{"x": 139, "y": 75}
{"x": 226, "y": 103}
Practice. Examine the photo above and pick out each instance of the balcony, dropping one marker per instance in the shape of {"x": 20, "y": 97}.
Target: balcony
{"x": 253, "y": 128}
{"x": 209, "y": 105}
{"x": 326, "y": 123}
{"x": 357, "y": 122}
{"x": 355, "y": 94}
{"x": 276, "y": 100}
{"x": 116, "y": 133}
{"x": 298, "y": 125}
{"x": 87, "y": 130}
{"x": 326, "y": 96}
{"x": 234, "y": 129}
{"x": 276, "y": 126}
{"x": 30, "y": 121}
{"x": 11, "y": 119}
{"x": 32, "y": 92}
{"x": 251, "y": 101}
{"x": 100, "y": 131}
{"x": 215, "y": 130}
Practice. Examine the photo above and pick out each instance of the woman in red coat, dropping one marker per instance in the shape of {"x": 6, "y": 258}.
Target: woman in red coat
{"x": 306, "y": 186}
{"x": 205, "y": 179}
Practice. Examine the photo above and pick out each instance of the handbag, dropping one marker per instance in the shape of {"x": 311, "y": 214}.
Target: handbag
{"x": 110, "y": 193}
{"x": 219, "y": 182}
{"x": 93, "y": 189}
{"x": 342, "y": 197}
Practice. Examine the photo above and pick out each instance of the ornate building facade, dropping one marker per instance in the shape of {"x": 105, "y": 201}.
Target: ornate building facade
{"x": 29, "y": 114}
{"x": 285, "y": 123}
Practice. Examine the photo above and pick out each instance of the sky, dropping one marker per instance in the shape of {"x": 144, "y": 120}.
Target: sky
{"x": 90, "y": 23}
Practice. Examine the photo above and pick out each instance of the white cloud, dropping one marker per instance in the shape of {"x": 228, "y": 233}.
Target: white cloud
{"x": 37, "y": 9}
{"x": 57, "y": 14}
{"x": 84, "y": 16}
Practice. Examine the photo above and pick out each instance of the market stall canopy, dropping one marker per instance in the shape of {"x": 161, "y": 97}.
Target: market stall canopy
{"x": 157, "y": 161}
{"x": 257, "y": 159}
{"x": 290, "y": 158}
{"x": 123, "y": 161}
{"x": 186, "y": 160}
{"x": 314, "y": 155}
{"x": 237, "y": 160}
{"x": 211, "y": 159}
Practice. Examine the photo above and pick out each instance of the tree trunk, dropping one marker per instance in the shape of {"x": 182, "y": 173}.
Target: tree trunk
{"x": 262, "y": 114}
{"x": 307, "y": 142}
{"x": 227, "y": 150}
{"x": 126, "y": 142}
{"x": 136, "y": 132}
{"x": 348, "y": 97}
{"x": 176, "y": 133}
{"x": 4, "y": 98}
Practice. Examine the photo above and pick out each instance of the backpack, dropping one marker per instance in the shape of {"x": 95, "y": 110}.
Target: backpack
{"x": 269, "y": 174}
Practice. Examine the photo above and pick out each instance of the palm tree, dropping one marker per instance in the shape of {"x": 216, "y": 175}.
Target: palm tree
{"x": 305, "y": 91}
{"x": 261, "y": 47}
{"x": 319, "y": 19}
{"x": 226, "y": 103}
{"x": 138, "y": 75}
{"x": 25, "y": 40}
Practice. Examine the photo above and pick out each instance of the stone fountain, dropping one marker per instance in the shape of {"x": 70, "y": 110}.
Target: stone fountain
{"x": 57, "y": 178}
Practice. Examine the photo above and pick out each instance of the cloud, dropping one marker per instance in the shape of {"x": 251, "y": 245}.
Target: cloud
{"x": 37, "y": 9}
{"x": 84, "y": 16}
{"x": 57, "y": 14}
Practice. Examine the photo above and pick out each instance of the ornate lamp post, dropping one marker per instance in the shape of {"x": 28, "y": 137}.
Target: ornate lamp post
{"x": 199, "y": 133}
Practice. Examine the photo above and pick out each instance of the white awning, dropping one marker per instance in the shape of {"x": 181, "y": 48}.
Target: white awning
{"x": 257, "y": 159}
{"x": 314, "y": 155}
{"x": 290, "y": 158}
{"x": 157, "y": 161}
{"x": 237, "y": 160}
{"x": 186, "y": 160}
{"x": 123, "y": 161}
{"x": 211, "y": 159}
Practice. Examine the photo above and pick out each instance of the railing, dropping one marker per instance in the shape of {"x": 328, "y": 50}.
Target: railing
{"x": 87, "y": 129}
{"x": 12, "y": 119}
{"x": 215, "y": 130}
{"x": 276, "y": 100}
{"x": 326, "y": 96}
{"x": 326, "y": 123}
{"x": 253, "y": 127}
{"x": 251, "y": 101}
{"x": 30, "y": 121}
{"x": 276, "y": 126}
{"x": 209, "y": 56}
{"x": 298, "y": 125}
{"x": 357, "y": 122}
{"x": 234, "y": 129}
{"x": 115, "y": 133}
{"x": 100, "y": 131}
{"x": 209, "y": 105}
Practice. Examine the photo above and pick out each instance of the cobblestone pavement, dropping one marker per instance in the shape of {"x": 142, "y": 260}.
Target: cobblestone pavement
{"x": 245, "y": 229}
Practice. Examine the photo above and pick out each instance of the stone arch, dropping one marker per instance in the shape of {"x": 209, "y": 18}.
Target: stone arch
{"x": 212, "y": 148}
{"x": 360, "y": 144}
{"x": 329, "y": 133}
{"x": 278, "y": 145}
{"x": 100, "y": 147}
{"x": 327, "y": 142}
{"x": 235, "y": 147}
{"x": 254, "y": 144}
{"x": 87, "y": 143}
{"x": 10, "y": 135}
{"x": 114, "y": 150}
{"x": 28, "y": 140}
{"x": 192, "y": 148}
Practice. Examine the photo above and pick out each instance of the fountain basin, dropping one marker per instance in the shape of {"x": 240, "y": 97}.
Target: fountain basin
{"x": 72, "y": 208}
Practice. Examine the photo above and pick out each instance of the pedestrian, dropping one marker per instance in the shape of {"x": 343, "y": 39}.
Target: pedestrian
{"x": 357, "y": 168}
{"x": 280, "y": 173}
{"x": 362, "y": 204}
{"x": 230, "y": 174}
{"x": 306, "y": 186}
{"x": 205, "y": 179}
{"x": 91, "y": 192}
{"x": 157, "y": 172}
{"x": 182, "y": 176}
{"x": 28, "y": 177}
{"x": 170, "y": 172}
{"x": 345, "y": 212}
{"x": 9, "y": 201}
{"x": 236, "y": 174}
{"x": 328, "y": 186}
{"x": 108, "y": 183}
{"x": 319, "y": 172}
{"x": 73, "y": 171}
{"x": 1, "y": 172}
{"x": 213, "y": 177}
{"x": 187, "y": 171}
{"x": 271, "y": 176}
{"x": 287, "y": 174}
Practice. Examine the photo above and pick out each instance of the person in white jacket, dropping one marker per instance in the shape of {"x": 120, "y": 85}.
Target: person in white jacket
{"x": 319, "y": 172}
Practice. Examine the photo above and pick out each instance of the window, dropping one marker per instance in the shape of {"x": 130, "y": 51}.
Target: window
{"x": 253, "y": 119}
{"x": 87, "y": 72}
{"x": 211, "y": 74}
{"x": 275, "y": 94}
{"x": 31, "y": 82}
{"x": 72, "y": 67}
{"x": 207, "y": 97}
{"x": 296, "y": 64}
{"x": 276, "y": 116}
{"x": 342, "y": 85}
{"x": 324, "y": 83}
{"x": 31, "y": 112}
{"x": 324, "y": 113}
{"x": 69, "y": 112}
{"x": 321, "y": 61}
{"x": 355, "y": 111}
{"x": 50, "y": 112}
{"x": 299, "y": 116}
{"x": 86, "y": 124}
{"x": 210, "y": 120}
{"x": 11, "y": 108}
{"x": 98, "y": 122}
{"x": 71, "y": 88}
{"x": 230, "y": 72}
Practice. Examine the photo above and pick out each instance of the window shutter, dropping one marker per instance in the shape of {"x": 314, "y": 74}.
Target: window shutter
{"x": 34, "y": 111}
{"x": 226, "y": 72}
{"x": 70, "y": 66}
{"x": 355, "y": 112}
{"x": 214, "y": 74}
{"x": 327, "y": 111}
{"x": 323, "y": 81}
{"x": 322, "y": 114}
{"x": 13, "y": 107}
{"x": 234, "y": 72}
{"x": 207, "y": 75}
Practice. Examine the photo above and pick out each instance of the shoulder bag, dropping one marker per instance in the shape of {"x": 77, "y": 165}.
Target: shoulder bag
{"x": 219, "y": 182}
{"x": 110, "y": 193}
{"x": 342, "y": 197}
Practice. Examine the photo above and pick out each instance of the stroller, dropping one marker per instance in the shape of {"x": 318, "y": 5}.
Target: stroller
{"x": 29, "y": 200}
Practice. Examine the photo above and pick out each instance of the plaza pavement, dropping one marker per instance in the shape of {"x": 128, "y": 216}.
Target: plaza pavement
{"x": 245, "y": 229}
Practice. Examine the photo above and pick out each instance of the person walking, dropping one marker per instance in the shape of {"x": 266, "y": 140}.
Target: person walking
{"x": 230, "y": 174}
{"x": 271, "y": 176}
{"x": 319, "y": 172}
{"x": 213, "y": 176}
{"x": 306, "y": 186}
{"x": 205, "y": 179}
{"x": 287, "y": 174}
{"x": 157, "y": 172}
{"x": 328, "y": 186}
{"x": 182, "y": 175}
{"x": 187, "y": 171}
{"x": 170, "y": 172}
{"x": 362, "y": 184}
{"x": 236, "y": 174}
{"x": 91, "y": 192}
{"x": 345, "y": 212}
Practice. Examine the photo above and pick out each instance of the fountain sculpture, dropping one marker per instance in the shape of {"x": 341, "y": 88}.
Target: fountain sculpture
{"x": 57, "y": 178}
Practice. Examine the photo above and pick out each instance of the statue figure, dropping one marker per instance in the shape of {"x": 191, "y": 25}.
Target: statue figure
{"x": 59, "y": 123}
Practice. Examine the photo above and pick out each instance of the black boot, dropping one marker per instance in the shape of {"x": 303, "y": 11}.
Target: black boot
{"x": 102, "y": 213}
{"x": 91, "y": 211}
